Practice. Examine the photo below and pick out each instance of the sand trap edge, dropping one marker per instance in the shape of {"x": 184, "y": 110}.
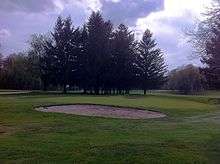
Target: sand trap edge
{"x": 100, "y": 110}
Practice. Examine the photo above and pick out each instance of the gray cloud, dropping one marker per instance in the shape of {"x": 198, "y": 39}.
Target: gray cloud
{"x": 25, "y": 17}
{"x": 4, "y": 33}
{"x": 32, "y": 6}
{"x": 21, "y": 18}
{"x": 128, "y": 11}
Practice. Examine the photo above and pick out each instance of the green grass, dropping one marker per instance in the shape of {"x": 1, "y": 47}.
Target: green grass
{"x": 190, "y": 133}
{"x": 6, "y": 92}
{"x": 215, "y": 94}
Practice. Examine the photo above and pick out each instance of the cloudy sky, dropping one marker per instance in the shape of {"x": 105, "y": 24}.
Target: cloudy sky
{"x": 167, "y": 19}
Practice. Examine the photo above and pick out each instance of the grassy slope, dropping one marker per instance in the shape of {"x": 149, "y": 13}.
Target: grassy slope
{"x": 190, "y": 134}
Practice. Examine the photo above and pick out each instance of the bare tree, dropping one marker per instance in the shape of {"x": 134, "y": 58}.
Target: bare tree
{"x": 205, "y": 39}
{"x": 187, "y": 80}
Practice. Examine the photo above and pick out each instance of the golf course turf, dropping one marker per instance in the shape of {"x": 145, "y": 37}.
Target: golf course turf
{"x": 189, "y": 134}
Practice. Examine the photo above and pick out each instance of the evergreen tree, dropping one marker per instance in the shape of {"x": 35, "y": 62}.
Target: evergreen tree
{"x": 83, "y": 79}
{"x": 99, "y": 33}
{"x": 77, "y": 52}
{"x": 63, "y": 51}
{"x": 123, "y": 58}
{"x": 151, "y": 63}
{"x": 47, "y": 64}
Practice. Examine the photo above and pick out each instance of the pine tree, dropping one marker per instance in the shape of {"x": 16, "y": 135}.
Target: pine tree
{"x": 99, "y": 33}
{"x": 83, "y": 79}
{"x": 123, "y": 58}
{"x": 64, "y": 50}
{"x": 151, "y": 63}
{"x": 76, "y": 51}
{"x": 47, "y": 64}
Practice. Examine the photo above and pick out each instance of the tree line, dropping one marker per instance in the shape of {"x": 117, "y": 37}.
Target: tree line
{"x": 96, "y": 58}
{"x": 99, "y": 58}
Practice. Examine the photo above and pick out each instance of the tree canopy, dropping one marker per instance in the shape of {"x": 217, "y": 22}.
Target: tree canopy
{"x": 151, "y": 63}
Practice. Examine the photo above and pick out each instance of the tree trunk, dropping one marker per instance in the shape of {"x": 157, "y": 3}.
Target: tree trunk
{"x": 85, "y": 91}
{"x": 145, "y": 91}
{"x": 97, "y": 91}
{"x": 127, "y": 92}
{"x": 113, "y": 91}
{"x": 120, "y": 92}
{"x": 64, "y": 89}
{"x": 44, "y": 86}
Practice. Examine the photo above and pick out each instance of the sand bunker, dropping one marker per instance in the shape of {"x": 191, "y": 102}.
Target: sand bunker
{"x": 103, "y": 111}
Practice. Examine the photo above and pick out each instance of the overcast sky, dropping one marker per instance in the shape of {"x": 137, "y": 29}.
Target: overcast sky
{"x": 167, "y": 19}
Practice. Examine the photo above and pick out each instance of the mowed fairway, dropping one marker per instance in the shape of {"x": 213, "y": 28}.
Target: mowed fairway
{"x": 190, "y": 133}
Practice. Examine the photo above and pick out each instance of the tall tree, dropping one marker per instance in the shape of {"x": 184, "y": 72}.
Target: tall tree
{"x": 1, "y": 69}
{"x": 212, "y": 57}
{"x": 63, "y": 50}
{"x": 123, "y": 58}
{"x": 150, "y": 63}
{"x": 36, "y": 59}
{"x": 206, "y": 41}
{"x": 99, "y": 32}
{"x": 77, "y": 52}
{"x": 83, "y": 79}
{"x": 1, "y": 60}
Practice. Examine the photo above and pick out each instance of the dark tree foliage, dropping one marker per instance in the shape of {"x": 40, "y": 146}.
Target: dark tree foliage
{"x": 206, "y": 41}
{"x": 1, "y": 65}
{"x": 16, "y": 73}
{"x": 99, "y": 33}
{"x": 82, "y": 62}
{"x": 40, "y": 62}
{"x": 36, "y": 54}
{"x": 212, "y": 58}
{"x": 151, "y": 63}
{"x": 63, "y": 50}
{"x": 123, "y": 58}
{"x": 1, "y": 70}
{"x": 1, "y": 61}
{"x": 95, "y": 58}
{"x": 60, "y": 61}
